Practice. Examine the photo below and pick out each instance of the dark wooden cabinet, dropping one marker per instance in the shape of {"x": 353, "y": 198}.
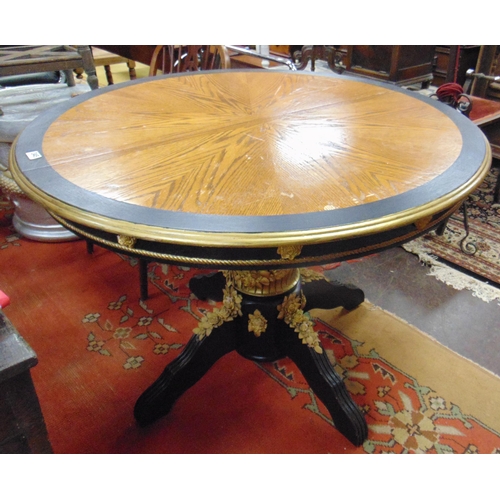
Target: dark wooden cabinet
{"x": 452, "y": 63}
{"x": 22, "y": 427}
{"x": 399, "y": 64}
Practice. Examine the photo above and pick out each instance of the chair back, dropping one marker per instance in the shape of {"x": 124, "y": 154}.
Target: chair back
{"x": 182, "y": 58}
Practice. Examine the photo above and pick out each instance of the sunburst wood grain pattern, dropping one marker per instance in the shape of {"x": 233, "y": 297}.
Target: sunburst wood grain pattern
{"x": 273, "y": 144}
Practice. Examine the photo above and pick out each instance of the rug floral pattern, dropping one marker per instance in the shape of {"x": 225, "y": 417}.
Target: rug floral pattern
{"x": 129, "y": 332}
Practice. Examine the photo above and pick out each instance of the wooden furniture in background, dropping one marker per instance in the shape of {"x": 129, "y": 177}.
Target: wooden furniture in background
{"x": 311, "y": 53}
{"x": 452, "y": 62}
{"x": 399, "y": 64}
{"x": 138, "y": 53}
{"x": 182, "y": 58}
{"x": 249, "y": 58}
{"x": 488, "y": 65}
{"x": 485, "y": 113}
{"x": 107, "y": 59}
{"x": 22, "y": 427}
{"x": 24, "y": 59}
{"x": 487, "y": 117}
{"x": 476, "y": 69}
{"x": 282, "y": 50}
{"x": 144, "y": 54}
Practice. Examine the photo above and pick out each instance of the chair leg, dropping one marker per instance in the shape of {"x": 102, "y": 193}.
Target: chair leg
{"x": 70, "y": 77}
{"x": 109, "y": 75}
{"x": 131, "y": 69}
{"x": 88, "y": 65}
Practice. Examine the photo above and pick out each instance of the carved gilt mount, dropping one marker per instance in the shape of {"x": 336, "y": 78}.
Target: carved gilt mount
{"x": 264, "y": 282}
{"x": 126, "y": 241}
{"x": 289, "y": 252}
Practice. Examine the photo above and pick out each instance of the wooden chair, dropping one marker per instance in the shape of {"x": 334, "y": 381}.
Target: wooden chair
{"x": 183, "y": 58}
{"x": 311, "y": 53}
{"x": 107, "y": 59}
{"x": 22, "y": 60}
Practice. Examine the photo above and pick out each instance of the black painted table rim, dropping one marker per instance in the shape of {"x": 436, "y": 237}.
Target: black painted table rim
{"x": 98, "y": 213}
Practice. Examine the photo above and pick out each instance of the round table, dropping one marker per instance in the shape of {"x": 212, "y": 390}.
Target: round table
{"x": 259, "y": 174}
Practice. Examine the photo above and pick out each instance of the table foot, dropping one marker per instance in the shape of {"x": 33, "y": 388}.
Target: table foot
{"x": 329, "y": 387}
{"x": 188, "y": 368}
{"x": 324, "y": 294}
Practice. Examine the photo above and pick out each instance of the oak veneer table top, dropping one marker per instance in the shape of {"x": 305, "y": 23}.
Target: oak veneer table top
{"x": 250, "y": 159}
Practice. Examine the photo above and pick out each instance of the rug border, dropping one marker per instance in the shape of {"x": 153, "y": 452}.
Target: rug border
{"x": 428, "y": 367}
{"x": 444, "y": 272}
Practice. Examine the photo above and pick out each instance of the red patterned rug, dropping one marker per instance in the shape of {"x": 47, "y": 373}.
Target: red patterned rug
{"x": 99, "y": 346}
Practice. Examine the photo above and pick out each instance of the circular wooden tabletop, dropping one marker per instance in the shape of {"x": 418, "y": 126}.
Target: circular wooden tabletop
{"x": 250, "y": 159}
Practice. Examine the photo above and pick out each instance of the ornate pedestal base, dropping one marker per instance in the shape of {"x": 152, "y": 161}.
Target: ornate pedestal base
{"x": 264, "y": 318}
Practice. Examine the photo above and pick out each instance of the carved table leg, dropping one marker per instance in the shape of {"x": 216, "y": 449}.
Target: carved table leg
{"x": 329, "y": 295}
{"x": 263, "y": 318}
{"x": 329, "y": 388}
{"x": 194, "y": 361}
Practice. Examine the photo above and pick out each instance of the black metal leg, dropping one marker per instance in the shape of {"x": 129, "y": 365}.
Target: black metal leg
{"x": 440, "y": 229}
{"x": 467, "y": 247}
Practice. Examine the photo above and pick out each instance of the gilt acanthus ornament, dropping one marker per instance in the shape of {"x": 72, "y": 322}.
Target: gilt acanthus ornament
{"x": 231, "y": 308}
{"x": 292, "y": 313}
